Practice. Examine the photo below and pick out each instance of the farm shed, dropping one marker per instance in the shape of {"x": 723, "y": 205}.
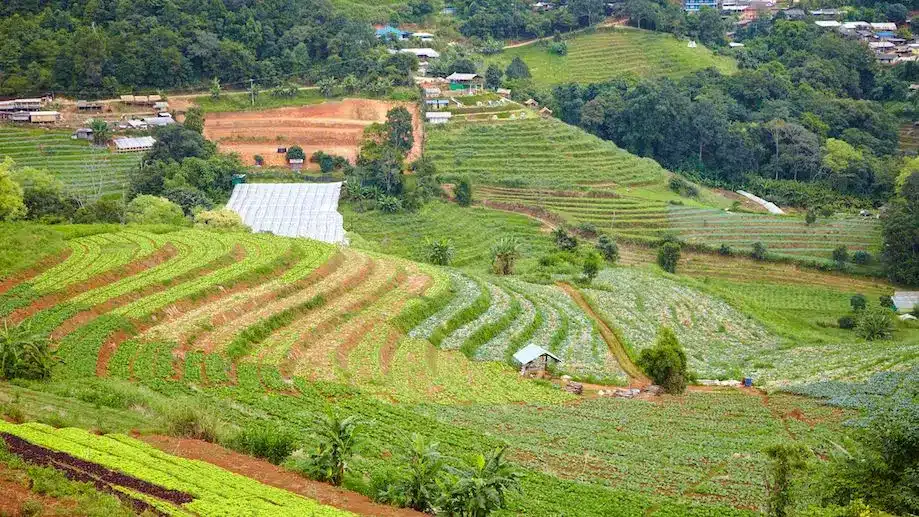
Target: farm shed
{"x": 427, "y": 53}
{"x": 20, "y": 116}
{"x": 471, "y": 82}
{"x": 423, "y": 36}
{"x": 44, "y": 117}
{"x": 437, "y": 103}
{"x": 159, "y": 121}
{"x": 83, "y": 133}
{"x": 438, "y": 117}
{"x": 906, "y": 301}
{"x": 133, "y": 145}
{"x": 534, "y": 358}
{"x": 141, "y": 99}
{"x": 89, "y": 106}
{"x": 21, "y": 105}
{"x": 390, "y": 32}
{"x": 291, "y": 209}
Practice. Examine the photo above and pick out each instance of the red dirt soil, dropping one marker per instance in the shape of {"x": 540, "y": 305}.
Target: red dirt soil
{"x": 15, "y": 489}
{"x": 29, "y": 273}
{"x": 272, "y": 475}
{"x": 332, "y": 127}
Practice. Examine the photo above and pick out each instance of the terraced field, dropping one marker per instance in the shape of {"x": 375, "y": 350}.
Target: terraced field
{"x": 645, "y": 214}
{"x": 535, "y": 152}
{"x": 210, "y": 307}
{"x": 610, "y": 53}
{"x": 86, "y": 170}
{"x": 789, "y": 236}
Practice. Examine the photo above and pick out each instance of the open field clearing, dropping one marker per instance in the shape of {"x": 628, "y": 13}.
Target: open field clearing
{"x": 155, "y": 480}
{"x": 333, "y": 127}
{"x": 909, "y": 137}
{"x": 85, "y": 170}
{"x": 610, "y": 53}
{"x": 535, "y": 153}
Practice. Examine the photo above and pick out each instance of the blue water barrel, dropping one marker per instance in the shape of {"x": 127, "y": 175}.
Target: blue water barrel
{"x": 747, "y": 382}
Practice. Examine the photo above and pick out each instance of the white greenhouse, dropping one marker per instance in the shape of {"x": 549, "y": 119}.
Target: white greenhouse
{"x": 291, "y": 209}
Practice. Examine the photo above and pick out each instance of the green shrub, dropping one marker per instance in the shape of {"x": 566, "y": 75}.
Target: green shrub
{"x": 390, "y": 204}
{"x": 463, "y": 192}
{"x": 185, "y": 421}
{"x": 810, "y": 217}
{"x": 665, "y": 362}
{"x": 668, "y": 256}
{"x": 564, "y": 240}
{"x": 759, "y": 251}
{"x": 886, "y": 301}
{"x": 480, "y": 486}
{"x": 786, "y": 460}
{"x": 559, "y": 48}
{"x": 846, "y": 322}
{"x": 588, "y": 230}
{"x": 858, "y": 302}
{"x": 416, "y": 482}
{"x": 874, "y": 324}
{"x": 504, "y": 255}
{"x": 31, "y": 508}
{"x": 608, "y": 248}
{"x": 725, "y": 250}
{"x": 439, "y": 251}
{"x": 591, "y": 266}
{"x": 861, "y": 257}
{"x": 270, "y": 443}
{"x": 840, "y": 255}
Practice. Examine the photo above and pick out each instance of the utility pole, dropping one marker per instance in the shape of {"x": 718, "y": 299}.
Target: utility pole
{"x": 252, "y": 90}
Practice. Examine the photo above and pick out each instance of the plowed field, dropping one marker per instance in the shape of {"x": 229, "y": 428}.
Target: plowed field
{"x": 332, "y": 127}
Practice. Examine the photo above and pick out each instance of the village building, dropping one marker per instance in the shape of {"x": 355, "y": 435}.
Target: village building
{"x": 423, "y": 36}
{"x": 159, "y": 121}
{"x": 531, "y": 103}
{"x": 134, "y": 145}
{"x": 83, "y": 133}
{"x": 389, "y": 32}
{"x": 144, "y": 100}
{"x": 438, "y": 117}
{"x": 89, "y": 106}
{"x": 421, "y": 53}
{"x": 471, "y": 83}
{"x": 535, "y": 359}
{"x": 44, "y": 117}
{"x": 437, "y": 103}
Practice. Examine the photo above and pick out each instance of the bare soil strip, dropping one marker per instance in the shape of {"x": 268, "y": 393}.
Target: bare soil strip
{"x": 273, "y": 475}
{"x": 637, "y": 378}
{"x": 29, "y": 273}
{"x": 163, "y": 254}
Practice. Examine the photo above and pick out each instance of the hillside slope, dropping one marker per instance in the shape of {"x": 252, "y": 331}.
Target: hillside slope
{"x": 615, "y": 52}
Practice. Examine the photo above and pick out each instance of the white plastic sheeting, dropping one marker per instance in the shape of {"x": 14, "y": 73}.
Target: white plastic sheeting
{"x": 768, "y": 205}
{"x": 291, "y": 209}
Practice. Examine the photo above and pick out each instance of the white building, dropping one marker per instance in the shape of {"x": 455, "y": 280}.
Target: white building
{"x": 438, "y": 117}
{"x": 134, "y": 145}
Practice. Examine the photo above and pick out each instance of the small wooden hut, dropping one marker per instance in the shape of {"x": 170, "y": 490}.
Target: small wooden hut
{"x": 534, "y": 359}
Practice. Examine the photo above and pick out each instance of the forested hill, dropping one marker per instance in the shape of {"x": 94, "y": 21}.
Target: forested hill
{"x": 93, "y": 48}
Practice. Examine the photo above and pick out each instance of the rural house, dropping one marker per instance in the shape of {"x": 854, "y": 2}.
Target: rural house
{"x": 469, "y": 82}
{"x": 44, "y": 117}
{"x": 389, "y": 32}
{"x": 438, "y": 117}
{"x": 83, "y": 133}
{"x": 134, "y": 145}
{"x": 89, "y": 106}
{"x": 534, "y": 359}
{"x": 421, "y": 53}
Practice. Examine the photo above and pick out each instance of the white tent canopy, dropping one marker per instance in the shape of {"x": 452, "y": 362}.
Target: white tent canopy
{"x": 291, "y": 209}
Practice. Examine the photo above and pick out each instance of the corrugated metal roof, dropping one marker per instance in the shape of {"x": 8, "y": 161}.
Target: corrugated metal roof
{"x": 456, "y": 76}
{"x": 135, "y": 143}
{"x": 905, "y": 300}
{"x": 532, "y": 352}
{"x": 291, "y": 209}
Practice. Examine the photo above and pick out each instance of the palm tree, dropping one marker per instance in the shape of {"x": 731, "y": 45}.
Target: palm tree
{"x": 481, "y": 486}
{"x": 101, "y": 131}
{"x": 24, "y": 352}
{"x": 417, "y": 485}
{"x": 337, "y": 439}
{"x": 504, "y": 254}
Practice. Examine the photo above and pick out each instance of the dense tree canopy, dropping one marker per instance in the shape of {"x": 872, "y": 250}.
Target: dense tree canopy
{"x": 92, "y": 48}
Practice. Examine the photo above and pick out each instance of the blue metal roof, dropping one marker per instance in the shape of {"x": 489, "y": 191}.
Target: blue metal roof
{"x": 530, "y": 353}
{"x": 389, "y": 29}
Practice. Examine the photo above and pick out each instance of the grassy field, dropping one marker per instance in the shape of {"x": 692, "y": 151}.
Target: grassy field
{"x": 537, "y": 152}
{"x": 84, "y": 169}
{"x": 241, "y": 101}
{"x": 610, "y": 53}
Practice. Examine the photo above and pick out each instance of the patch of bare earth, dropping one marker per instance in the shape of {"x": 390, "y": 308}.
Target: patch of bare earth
{"x": 273, "y": 475}
{"x": 332, "y": 127}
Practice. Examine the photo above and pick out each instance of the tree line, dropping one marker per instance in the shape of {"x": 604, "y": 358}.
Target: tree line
{"x": 99, "y": 48}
